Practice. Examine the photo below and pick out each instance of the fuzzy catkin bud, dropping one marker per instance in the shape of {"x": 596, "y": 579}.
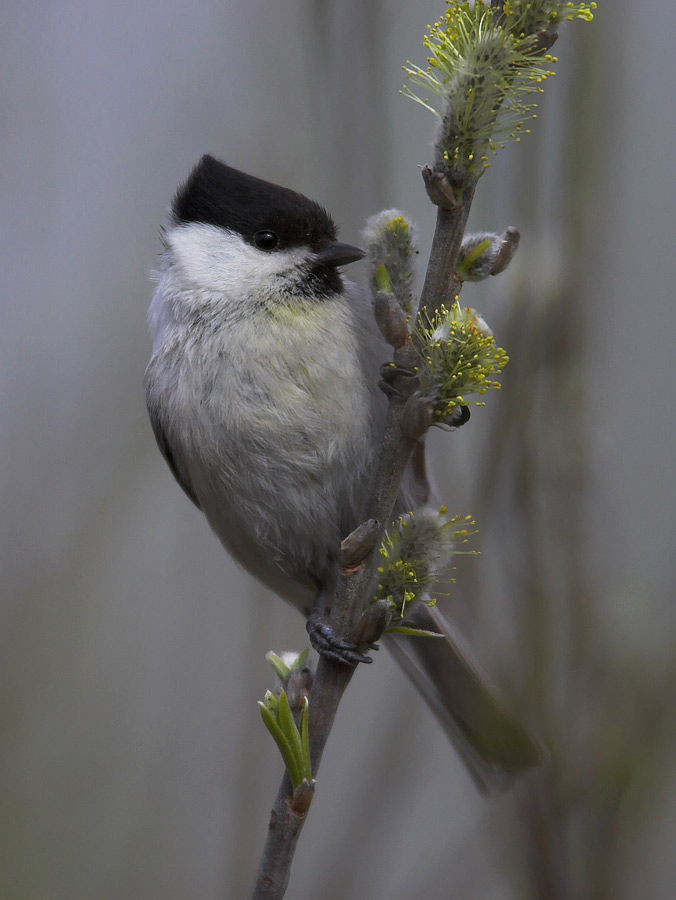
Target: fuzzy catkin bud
{"x": 458, "y": 358}
{"x": 390, "y": 242}
{"x": 483, "y": 254}
{"x": 486, "y": 61}
{"x": 416, "y": 552}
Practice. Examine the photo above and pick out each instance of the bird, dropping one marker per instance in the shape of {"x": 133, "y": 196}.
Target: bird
{"x": 263, "y": 395}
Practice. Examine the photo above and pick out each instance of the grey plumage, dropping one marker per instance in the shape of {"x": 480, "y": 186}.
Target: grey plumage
{"x": 262, "y": 391}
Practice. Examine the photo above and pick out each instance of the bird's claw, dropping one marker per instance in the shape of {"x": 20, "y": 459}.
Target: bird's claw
{"x": 389, "y": 371}
{"x": 388, "y": 389}
{"x": 338, "y": 649}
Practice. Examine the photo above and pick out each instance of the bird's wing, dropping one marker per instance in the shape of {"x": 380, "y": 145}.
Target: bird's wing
{"x": 166, "y": 451}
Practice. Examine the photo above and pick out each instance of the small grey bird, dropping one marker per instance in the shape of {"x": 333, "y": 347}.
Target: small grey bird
{"x": 262, "y": 390}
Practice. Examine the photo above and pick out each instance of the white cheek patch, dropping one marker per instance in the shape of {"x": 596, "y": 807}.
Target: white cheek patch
{"x": 214, "y": 259}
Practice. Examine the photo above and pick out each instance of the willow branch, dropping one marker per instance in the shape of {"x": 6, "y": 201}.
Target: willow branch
{"x": 332, "y": 678}
{"x": 329, "y": 683}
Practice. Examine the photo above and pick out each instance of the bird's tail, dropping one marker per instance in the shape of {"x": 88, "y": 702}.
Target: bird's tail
{"x": 494, "y": 746}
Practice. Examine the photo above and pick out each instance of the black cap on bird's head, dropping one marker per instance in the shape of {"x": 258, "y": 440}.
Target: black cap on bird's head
{"x": 265, "y": 215}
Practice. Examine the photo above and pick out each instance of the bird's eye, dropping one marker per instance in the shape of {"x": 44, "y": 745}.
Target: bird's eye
{"x": 266, "y": 240}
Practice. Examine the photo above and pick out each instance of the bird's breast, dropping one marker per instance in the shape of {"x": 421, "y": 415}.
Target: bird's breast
{"x": 280, "y": 426}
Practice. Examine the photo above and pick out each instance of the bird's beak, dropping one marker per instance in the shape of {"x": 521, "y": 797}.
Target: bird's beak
{"x": 337, "y": 254}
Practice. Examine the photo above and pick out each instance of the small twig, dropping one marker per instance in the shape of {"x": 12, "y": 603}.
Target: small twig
{"x": 329, "y": 683}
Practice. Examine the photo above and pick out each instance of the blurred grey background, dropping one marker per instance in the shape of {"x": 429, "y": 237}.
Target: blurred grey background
{"x": 133, "y": 763}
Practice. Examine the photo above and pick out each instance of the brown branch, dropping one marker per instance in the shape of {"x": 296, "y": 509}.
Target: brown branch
{"x": 332, "y": 678}
{"x": 329, "y": 683}
{"x": 441, "y": 281}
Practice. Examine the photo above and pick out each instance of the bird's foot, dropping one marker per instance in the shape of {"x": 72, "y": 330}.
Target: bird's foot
{"x": 389, "y": 372}
{"x": 338, "y": 649}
